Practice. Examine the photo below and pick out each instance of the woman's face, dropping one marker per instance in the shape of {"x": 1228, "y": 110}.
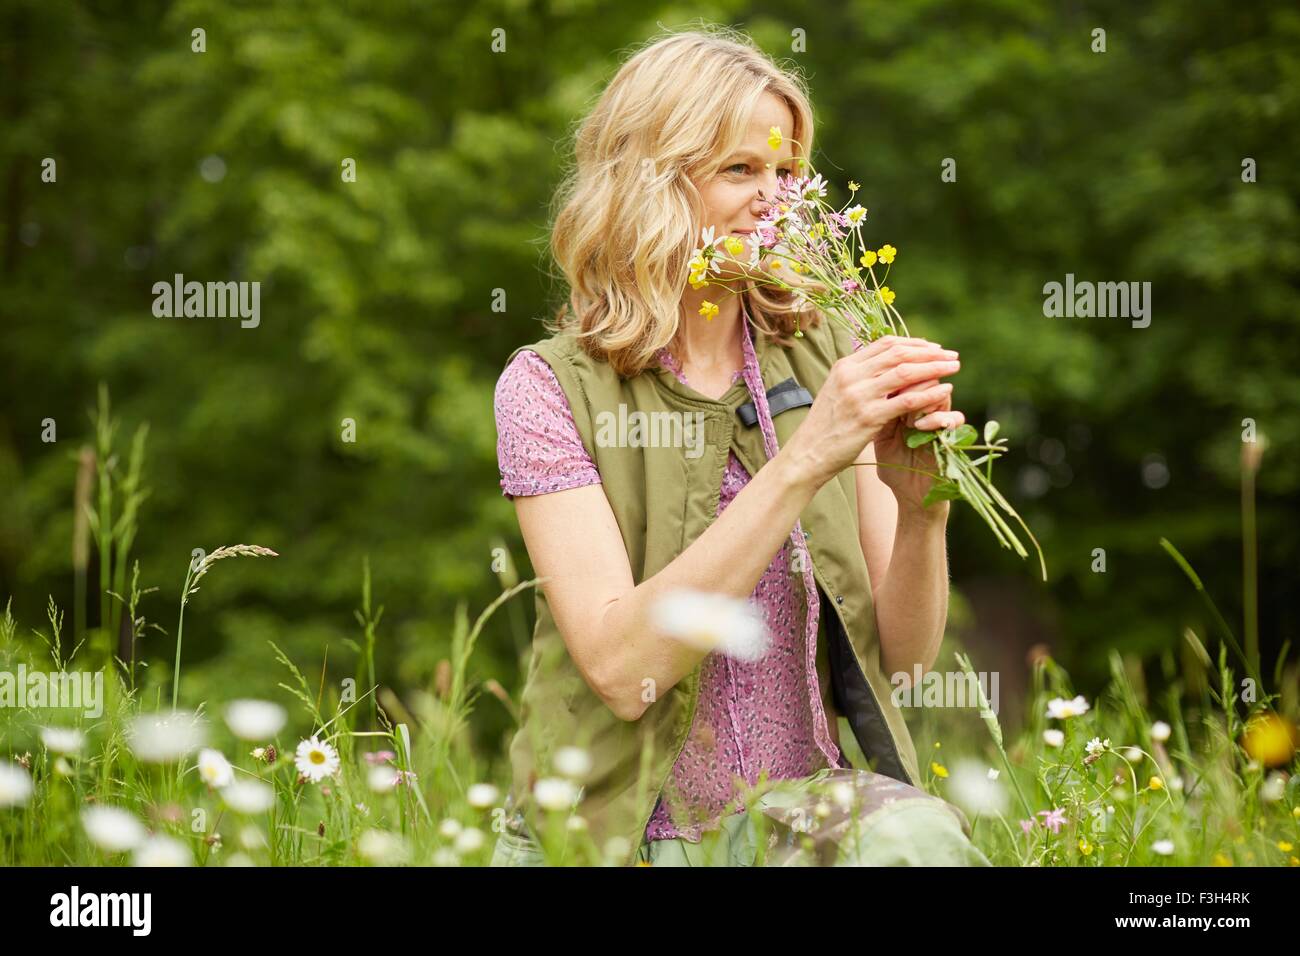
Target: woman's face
{"x": 737, "y": 193}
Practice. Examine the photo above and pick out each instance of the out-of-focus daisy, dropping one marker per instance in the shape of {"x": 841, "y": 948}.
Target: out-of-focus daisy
{"x": 713, "y": 622}
{"x": 1273, "y": 788}
{"x": 215, "y": 769}
{"x": 1053, "y": 737}
{"x": 316, "y": 759}
{"x": 482, "y": 795}
{"x": 554, "y": 793}
{"x": 971, "y": 788}
{"x": 1062, "y": 709}
{"x": 1133, "y": 755}
{"x": 112, "y": 828}
{"x": 381, "y": 779}
{"x": 255, "y": 720}
{"x": 15, "y": 785}
{"x": 239, "y": 859}
{"x": 252, "y": 838}
{"x": 1160, "y": 731}
{"x": 572, "y": 762}
{"x": 449, "y": 828}
{"x": 168, "y": 735}
{"x": 62, "y": 740}
{"x": 382, "y": 847}
{"x": 616, "y": 849}
{"x": 162, "y": 850}
{"x": 1163, "y": 847}
{"x": 248, "y": 796}
{"x": 469, "y": 840}
{"x": 445, "y": 856}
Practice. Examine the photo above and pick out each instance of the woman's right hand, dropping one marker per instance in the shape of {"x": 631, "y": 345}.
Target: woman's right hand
{"x": 863, "y": 393}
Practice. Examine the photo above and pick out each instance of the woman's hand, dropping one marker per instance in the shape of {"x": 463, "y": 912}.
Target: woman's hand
{"x": 862, "y": 395}
{"x": 911, "y": 487}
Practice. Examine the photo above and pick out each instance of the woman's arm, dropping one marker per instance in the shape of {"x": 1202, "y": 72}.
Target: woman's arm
{"x": 574, "y": 541}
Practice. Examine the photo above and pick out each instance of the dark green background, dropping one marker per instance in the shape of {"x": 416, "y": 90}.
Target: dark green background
{"x": 376, "y": 295}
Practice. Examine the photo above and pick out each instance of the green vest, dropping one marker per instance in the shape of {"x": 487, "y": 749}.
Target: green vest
{"x": 663, "y": 499}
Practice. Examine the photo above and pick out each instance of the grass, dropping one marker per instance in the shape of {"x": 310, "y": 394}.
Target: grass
{"x": 1201, "y": 773}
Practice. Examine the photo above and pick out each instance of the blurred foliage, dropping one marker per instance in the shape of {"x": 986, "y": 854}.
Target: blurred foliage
{"x": 376, "y": 295}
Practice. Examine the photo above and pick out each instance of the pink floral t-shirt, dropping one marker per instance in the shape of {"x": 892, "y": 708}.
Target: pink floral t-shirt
{"x": 751, "y": 716}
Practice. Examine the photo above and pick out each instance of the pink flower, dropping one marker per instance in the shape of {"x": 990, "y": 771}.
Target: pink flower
{"x": 380, "y": 756}
{"x": 1052, "y": 819}
{"x": 850, "y": 285}
{"x": 1026, "y": 825}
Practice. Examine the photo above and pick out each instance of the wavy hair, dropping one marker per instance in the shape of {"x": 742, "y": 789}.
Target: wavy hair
{"x": 629, "y": 214}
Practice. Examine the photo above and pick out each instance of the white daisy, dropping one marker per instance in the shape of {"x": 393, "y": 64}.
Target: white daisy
{"x": 381, "y": 778}
{"x": 316, "y": 759}
{"x": 215, "y": 769}
{"x": 572, "y": 762}
{"x": 168, "y": 735}
{"x": 15, "y": 785}
{"x": 161, "y": 850}
{"x": 713, "y": 622}
{"x": 482, "y": 795}
{"x": 449, "y": 828}
{"x": 248, "y": 796}
{"x": 553, "y": 793}
{"x": 255, "y": 720}
{"x": 1053, "y": 737}
{"x": 1096, "y": 745}
{"x": 1133, "y": 755}
{"x": 382, "y": 847}
{"x": 1061, "y": 709}
{"x": 1163, "y": 847}
{"x": 469, "y": 840}
{"x": 970, "y": 787}
{"x": 112, "y": 828}
{"x": 1160, "y": 731}
{"x": 855, "y": 214}
{"x": 62, "y": 740}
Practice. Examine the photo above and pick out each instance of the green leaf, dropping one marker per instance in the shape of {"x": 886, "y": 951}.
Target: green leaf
{"x": 941, "y": 491}
{"x": 962, "y": 436}
{"x": 990, "y": 431}
{"x": 918, "y": 437}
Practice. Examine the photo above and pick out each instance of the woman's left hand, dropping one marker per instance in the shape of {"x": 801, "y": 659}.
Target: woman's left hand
{"x": 910, "y": 487}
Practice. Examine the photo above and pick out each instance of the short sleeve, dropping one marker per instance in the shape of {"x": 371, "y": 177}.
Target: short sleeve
{"x": 539, "y": 449}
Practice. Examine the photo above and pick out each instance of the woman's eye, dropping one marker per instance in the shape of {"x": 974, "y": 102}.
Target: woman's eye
{"x": 740, "y": 166}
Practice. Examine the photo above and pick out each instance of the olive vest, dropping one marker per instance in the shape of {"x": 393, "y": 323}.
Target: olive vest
{"x": 663, "y": 498}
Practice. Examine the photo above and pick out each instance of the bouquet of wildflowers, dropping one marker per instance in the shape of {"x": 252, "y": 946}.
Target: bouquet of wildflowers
{"x": 818, "y": 254}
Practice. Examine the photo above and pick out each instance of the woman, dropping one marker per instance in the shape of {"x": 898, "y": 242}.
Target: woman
{"x": 756, "y": 500}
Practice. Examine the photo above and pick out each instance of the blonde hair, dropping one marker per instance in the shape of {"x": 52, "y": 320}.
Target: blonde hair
{"x": 630, "y": 215}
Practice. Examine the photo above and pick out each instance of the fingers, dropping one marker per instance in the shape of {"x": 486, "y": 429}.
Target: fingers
{"x": 916, "y": 399}
{"x": 900, "y": 376}
{"x": 887, "y": 342}
{"x": 940, "y": 419}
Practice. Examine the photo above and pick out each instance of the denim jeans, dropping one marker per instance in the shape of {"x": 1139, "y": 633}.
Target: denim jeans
{"x": 812, "y": 821}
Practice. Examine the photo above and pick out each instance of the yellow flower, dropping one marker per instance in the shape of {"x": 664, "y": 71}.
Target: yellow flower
{"x": 1084, "y": 846}
{"x": 734, "y": 245}
{"x": 939, "y": 769}
{"x": 708, "y": 310}
{"x": 1295, "y": 812}
{"x": 868, "y": 259}
{"x": 1156, "y": 783}
{"x": 853, "y": 187}
{"x": 1221, "y": 860}
{"x": 886, "y": 295}
{"x": 1284, "y": 846}
{"x": 1294, "y": 861}
{"x": 774, "y": 137}
{"x": 698, "y": 281}
{"x": 937, "y": 745}
{"x": 1270, "y": 739}
{"x": 776, "y": 263}
{"x": 887, "y": 253}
